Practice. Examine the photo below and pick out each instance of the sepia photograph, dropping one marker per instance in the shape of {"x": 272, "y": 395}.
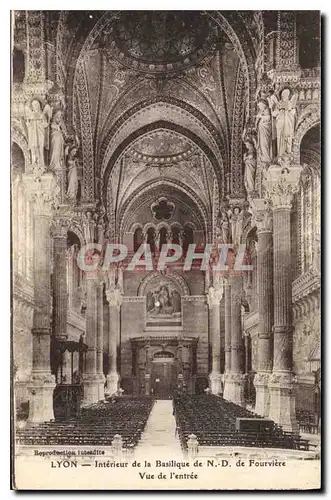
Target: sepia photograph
{"x": 165, "y": 249}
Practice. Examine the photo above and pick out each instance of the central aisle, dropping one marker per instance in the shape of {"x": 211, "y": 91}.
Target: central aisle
{"x": 158, "y": 439}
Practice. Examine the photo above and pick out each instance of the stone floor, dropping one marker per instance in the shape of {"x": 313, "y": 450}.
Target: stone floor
{"x": 158, "y": 439}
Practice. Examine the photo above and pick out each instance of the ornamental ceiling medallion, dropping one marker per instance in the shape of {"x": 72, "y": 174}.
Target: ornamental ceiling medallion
{"x": 162, "y": 209}
{"x": 159, "y": 42}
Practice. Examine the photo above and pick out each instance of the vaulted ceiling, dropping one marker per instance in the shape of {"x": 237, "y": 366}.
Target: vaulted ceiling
{"x": 155, "y": 96}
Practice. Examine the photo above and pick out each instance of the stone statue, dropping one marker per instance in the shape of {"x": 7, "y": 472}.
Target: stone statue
{"x": 250, "y": 163}
{"x": 72, "y": 174}
{"x": 264, "y": 131}
{"x": 223, "y": 227}
{"x": 57, "y": 142}
{"x": 175, "y": 301}
{"x": 284, "y": 112}
{"x": 236, "y": 225}
{"x": 149, "y": 301}
{"x": 36, "y": 123}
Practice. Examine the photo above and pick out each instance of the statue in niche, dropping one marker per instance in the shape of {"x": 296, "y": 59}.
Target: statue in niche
{"x": 250, "y": 163}
{"x": 57, "y": 141}
{"x": 163, "y": 302}
{"x": 223, "y": 226}
{"x": 37, "y": 123}
{"x": 175, "y": 301}
{"x": 72, "y": 160}
{"x": 264, "y": 131}
{"x": 284, "y": 111}
{"x": 236, "y": 226}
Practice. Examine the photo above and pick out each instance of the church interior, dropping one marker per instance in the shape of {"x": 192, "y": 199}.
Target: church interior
{"x": 158, "y": 127}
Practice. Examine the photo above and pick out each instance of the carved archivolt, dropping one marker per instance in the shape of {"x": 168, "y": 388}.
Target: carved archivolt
{"x": 178, "y": 281}
{"x": 21, "y": 141}
{"x": 243, "y": 50}
{"x": 310, "y": 117}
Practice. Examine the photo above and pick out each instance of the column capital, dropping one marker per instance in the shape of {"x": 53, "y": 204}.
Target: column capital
{"x": 44, "y": 193}
{"x": 60, "y": 226}
{"x": 214, "y": 296}
{"x": 262, "y": 215}
{"x": 114, "y": 297}
{"x": 282, "y": 182}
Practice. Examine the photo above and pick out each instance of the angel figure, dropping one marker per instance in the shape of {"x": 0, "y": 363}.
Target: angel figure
{"x": 250, "y": 162}
{"x": 36, "y": 123}
{"x": 284, "y": 112}
{"x": 72, "y": 174}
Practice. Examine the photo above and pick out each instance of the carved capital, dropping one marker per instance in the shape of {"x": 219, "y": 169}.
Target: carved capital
{"x": 114, "y": 297}
{"x": 214, "y": 296}
{"x": 43, "y": 192}
{"x": 282, "y": 182}
{"x": 60, "y": 226}
{"x": 262, "y": 215}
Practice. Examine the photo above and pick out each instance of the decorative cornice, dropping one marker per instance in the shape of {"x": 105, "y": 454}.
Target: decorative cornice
{"x": 305, "y": 284}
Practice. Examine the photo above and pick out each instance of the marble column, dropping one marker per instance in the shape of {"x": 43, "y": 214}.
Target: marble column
{"x": 213, "y": 298}
{"x": 41, "y": 191}
{"x": 236, "y": 378}
{"x": 99, "y": 345}
{"x": 60, "y": 294}
{"x": 91, "y": 377}
{"x": 227, "y": 335}
{"x": 262, "y": 216}
{"x": 114, "y": 298}
{"x": 282, "y": 183}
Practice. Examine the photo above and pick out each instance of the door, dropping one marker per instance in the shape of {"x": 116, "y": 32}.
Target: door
{"x": 163, "y": 379}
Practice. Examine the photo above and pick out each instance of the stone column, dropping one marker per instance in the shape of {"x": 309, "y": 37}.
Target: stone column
{"x": 236, "y": 377}
{"x": 60, "y": 294}
{"x": 99, "y": 345}
{"x": 213, "y": 298}
{"x": 227, "y": 335}
{"x": 281, "y": 184}
{"x": 180, "y": 374}
{"x": 263, "y": 220}
{"x": 148, "y": 369}
{"x": 91, "y": 376}
{"x": 114, "y": 298}
{"x": 41, "y": 192}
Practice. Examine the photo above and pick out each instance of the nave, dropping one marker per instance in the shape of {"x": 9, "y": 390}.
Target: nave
{"x": 155, "y": 428}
